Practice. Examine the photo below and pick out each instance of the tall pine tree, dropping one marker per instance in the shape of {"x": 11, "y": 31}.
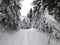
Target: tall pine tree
{"x": 53, "y": 7}
{"x": 9, "y": 13}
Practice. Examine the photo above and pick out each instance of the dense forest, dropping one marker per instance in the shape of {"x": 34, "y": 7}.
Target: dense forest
{"x": 9, "y": 13}
{"x": 36, "y": 17}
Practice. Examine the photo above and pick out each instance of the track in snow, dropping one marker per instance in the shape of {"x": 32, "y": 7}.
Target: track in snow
{"x": 24, "y": 37}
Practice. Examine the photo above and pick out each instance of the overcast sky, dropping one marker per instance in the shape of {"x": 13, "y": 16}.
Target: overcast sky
{"x": 26, "y": 5}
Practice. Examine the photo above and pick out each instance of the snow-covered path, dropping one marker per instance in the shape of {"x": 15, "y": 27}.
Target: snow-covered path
{"x": 24, "y": 37}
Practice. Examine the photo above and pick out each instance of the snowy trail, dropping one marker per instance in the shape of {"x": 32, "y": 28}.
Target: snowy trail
{"x": 35, "y": 38}
{"x": 25, "y": 42}
{"x": 24, "y": 37}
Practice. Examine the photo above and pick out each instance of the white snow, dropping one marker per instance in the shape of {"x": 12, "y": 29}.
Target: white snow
{"x": 24, "y": 37}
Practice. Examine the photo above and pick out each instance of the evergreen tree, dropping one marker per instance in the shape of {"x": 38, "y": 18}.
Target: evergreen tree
{"x": 40, "y": 19}
{"x": 9, "y": 13}
{"x": 53, "y": 7}
{"x": 30, "y": 16}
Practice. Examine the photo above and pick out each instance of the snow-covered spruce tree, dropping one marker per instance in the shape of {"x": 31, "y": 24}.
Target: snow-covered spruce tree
{"x": 53, "y": 7}
{"x": 36, "y": 16}
{"x": 30, "y": 17}
{"x": 9, "y": 14}
{"x": 25, "y": 23}
{"x": 39, "y": 16}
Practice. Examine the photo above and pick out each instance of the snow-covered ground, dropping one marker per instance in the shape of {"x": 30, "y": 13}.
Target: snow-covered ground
{"x": 24, "y": 37}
